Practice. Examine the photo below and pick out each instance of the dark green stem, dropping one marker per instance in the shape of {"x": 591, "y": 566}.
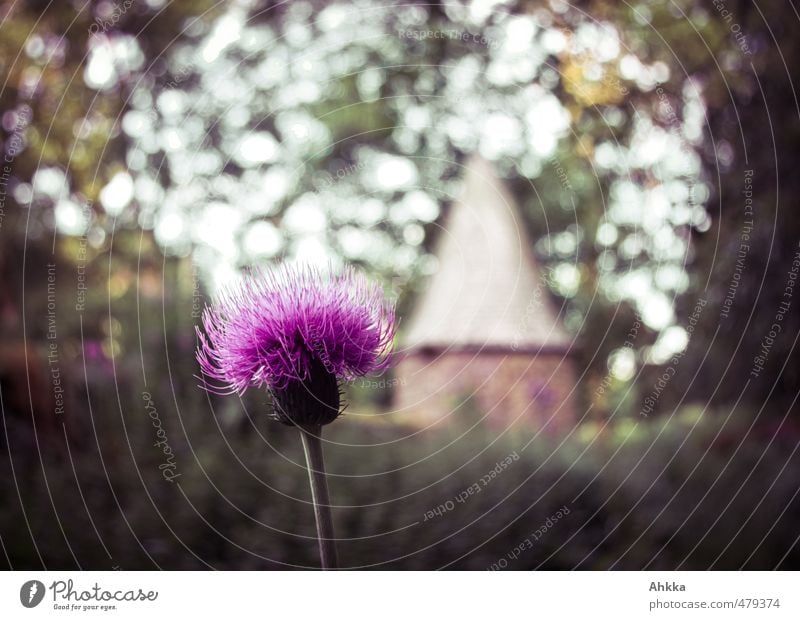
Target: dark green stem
{"x": 311, "y": 437}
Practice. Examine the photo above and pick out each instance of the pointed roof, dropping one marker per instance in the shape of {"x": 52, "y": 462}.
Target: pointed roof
{"x": 488, "y": 290}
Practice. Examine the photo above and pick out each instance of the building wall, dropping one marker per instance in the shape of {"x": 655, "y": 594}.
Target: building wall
{"x": 523, "y": 389}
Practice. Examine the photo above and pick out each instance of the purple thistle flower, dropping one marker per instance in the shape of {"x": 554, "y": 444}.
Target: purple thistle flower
{"x": 296, "y": 331}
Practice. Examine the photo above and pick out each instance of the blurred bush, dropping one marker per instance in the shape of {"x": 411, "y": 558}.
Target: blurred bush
{"x": 686, "y": 492}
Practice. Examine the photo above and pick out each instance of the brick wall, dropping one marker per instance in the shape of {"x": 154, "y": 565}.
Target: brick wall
{"x": 532, "y": 391}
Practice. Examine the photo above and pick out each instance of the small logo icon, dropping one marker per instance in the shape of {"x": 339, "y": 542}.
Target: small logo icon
{"x": 31, "y": 593}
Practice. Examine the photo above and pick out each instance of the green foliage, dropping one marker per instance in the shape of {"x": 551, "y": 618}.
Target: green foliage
{"x": 685, "y": 493}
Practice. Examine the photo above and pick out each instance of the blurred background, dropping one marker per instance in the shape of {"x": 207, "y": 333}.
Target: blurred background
{"x": 643, "y": 154}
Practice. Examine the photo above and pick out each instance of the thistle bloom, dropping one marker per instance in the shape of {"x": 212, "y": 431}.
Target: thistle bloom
{"x": 297, "y": 331}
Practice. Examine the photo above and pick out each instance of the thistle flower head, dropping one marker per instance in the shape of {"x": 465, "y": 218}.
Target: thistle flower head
{"x": 296, "y": 331}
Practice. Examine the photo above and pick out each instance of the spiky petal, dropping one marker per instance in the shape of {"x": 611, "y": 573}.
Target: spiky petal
{"x": 277, "y": 326}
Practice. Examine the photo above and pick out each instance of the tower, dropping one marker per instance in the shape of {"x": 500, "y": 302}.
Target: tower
{"x": 484, "y": 328}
